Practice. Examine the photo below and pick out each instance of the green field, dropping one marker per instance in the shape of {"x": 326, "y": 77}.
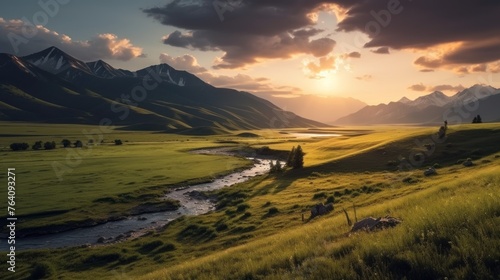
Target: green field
{"x": 64, "y": 187}
{"x": 449, "y": 223}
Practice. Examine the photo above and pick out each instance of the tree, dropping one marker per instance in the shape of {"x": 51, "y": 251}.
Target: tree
{"x": 37, "y": 145}
{"x": 474, "y": 120}
{"x": 118, "y": 142}
{"x": 289, "y": 160}
{"x": 49, "y": 145}
{"x": 19, "y": 146}
{"x": 66, "y": 143}
{"x": 78, "y": 144}
{"x": 298, "y": 158}
{"x": 479, "y": 120}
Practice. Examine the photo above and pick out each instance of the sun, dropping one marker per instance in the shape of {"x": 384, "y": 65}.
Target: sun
{"x": 326, "y": 85}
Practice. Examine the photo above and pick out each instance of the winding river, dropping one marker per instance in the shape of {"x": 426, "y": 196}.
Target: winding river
{"x": 137, "y": 225}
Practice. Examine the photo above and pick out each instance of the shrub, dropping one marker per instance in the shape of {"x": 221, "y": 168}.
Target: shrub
{"x": 319, "y": 195}
{"x": 37, "y": 145}
{"x": 66, "y": 143}
{"x": 272, "y": 211}
{"x": 242, "y": 207}
{"x": 41, "y": 270}
{"x": 118, "y": 142}
{"x": 221, "y": 227}
{"x": 78, "y": 144}
{"x": 330, "y": 199}
{"x": 150, "y": 246}
{"x": 19, "y": 146}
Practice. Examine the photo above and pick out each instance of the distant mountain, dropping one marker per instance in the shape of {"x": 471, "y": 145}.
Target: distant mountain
{"x": 323, "y": 109}
{"x": 432, "y": 109}
{"x": 103, "y": 70}
{"x": 52, "y": 86}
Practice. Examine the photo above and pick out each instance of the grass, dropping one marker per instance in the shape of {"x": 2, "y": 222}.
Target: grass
{"x": 102, "y": 181}
{"x": 449, "y": 226}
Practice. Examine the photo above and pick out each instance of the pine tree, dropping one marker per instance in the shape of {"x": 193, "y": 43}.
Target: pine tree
{"x": 479, "y": 120}
{"x": 291, "y": 155}
{"x": 298, "y": 158}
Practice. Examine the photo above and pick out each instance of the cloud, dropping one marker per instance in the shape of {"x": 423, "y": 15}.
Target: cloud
{"x": 354, "y": 55}
{"x": 239, "y": 81}
{"x": 323, "y": 67}
{"x": 381, "y": 50}
{"x": 447, "y": 88}
{"x": 364, "y": 77}
{"x": 418, "y": 87}
{"x": 20, "y": 39}
{"x": 186, "y": 62}
{"x": 425, "y": 24}
{"x": 251, "y": 31}
{"x": 422, "y": 87}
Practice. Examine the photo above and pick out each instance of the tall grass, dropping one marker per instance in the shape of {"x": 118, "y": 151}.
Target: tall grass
{"x": 449, "y": 230}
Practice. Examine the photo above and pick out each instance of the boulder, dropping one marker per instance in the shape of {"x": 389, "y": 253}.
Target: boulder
{"x": 468, "y": 163}
{"x": 320, "y": 209}
{"x": 371, "y": 224}
{"x": 430, "y": 171}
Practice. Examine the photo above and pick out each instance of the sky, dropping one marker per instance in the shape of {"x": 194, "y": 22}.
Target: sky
{"x": 373, "y": 51}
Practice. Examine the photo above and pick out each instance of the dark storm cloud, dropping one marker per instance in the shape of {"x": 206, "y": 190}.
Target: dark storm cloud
{"x": 428, "y": 23}
{"x": 250, "y": 30}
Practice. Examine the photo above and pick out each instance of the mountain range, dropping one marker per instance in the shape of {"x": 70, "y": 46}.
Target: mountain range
{"x": 433, "y": 108}
{"x": 321, "y": 108}
{"x": 54, "y": 87}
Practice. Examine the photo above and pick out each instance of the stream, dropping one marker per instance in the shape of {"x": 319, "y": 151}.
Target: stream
{"x": 133, "y": 226}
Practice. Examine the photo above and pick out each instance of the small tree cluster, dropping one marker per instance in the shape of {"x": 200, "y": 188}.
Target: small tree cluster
{"x": 477, "y": 119}
{"x": 295, "y": 158}
{"x": 275, "y": 167}
{"x": 49, "y": 145}
{"x": 37, "y": 145}
{"x": 118, "y": 142}
{"x": 19, "y": 146}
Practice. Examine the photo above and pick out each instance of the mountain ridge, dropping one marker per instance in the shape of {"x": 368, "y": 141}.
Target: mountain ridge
{"x": 63, "y": 89}
{"x": 432, "y": 108}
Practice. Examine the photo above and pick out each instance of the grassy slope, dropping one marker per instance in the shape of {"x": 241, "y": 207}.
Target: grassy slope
{"x": 449, "y": 219}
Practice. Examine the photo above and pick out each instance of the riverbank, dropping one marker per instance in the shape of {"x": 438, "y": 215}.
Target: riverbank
{"x": 178, "y": 200}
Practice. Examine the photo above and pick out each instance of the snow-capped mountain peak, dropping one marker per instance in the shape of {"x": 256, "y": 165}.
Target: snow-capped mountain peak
{"x": 436, "y": 98}
{"x": 404, "y": 100}
{"x": 104, "y": 70}
{"x": 55, "y": 61}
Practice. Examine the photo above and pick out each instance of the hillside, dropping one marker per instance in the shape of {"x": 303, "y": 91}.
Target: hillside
{"x": 54, "y": 87}
{"x": 433, "y": 108}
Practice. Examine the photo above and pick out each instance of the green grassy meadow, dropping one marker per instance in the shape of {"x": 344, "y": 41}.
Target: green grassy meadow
{"x": 449, "y": 223}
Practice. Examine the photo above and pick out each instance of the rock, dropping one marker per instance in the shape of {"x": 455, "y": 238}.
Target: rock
{"x": 371, "y": 224}
{"x": 142, "y": 218}
{"x": 430, "y": 171}
{"x": 101, "y": 239}
{"x": 468, "y": 163}
{"x": 320, "y": 209}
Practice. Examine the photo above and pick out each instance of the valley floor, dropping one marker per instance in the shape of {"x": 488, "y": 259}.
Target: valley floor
{"x": 449, "y": 223}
